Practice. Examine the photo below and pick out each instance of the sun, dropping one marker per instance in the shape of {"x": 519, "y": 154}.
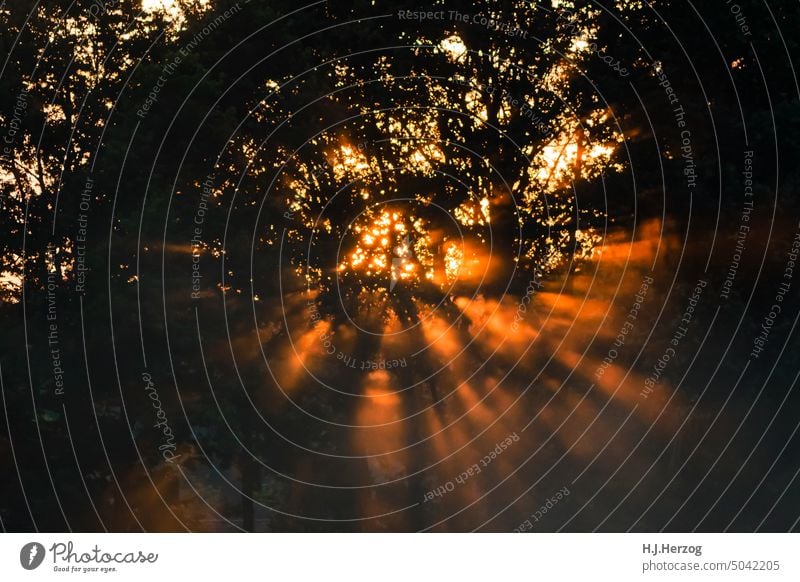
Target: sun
{"x": 390, "y": 246}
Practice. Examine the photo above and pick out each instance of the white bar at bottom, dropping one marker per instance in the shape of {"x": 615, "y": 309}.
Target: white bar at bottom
{"x": 400, "y": 557}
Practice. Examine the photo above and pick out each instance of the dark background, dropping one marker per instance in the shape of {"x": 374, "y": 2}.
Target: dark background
{"x": 713, "y": 448}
